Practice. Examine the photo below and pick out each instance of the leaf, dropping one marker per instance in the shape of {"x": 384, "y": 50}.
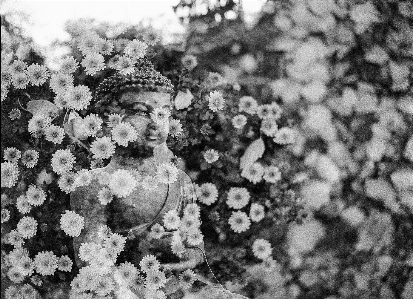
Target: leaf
{"x": 253, "y": 152}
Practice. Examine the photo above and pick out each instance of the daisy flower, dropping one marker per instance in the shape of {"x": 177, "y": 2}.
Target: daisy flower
{"x": 122, "y": 183}
{"x": 115, "y": 244}
{"x": 23, "y": 205}
{"x": 248, "y": 104}
{"x": 79, "y": 97}
{"x": 175, "y": 127}
{"x": 171, "y": 220}
{"x": 26, "y": 265}
{"x": 35, "y": 195}
{"x": 262, "y": 249}
{"x": 5, "y": 215}
{"x": 189, "y": 62}
{"x": 12, "y": 154}
{"x": 215, "y": 101}
{"x": 62, "y": 161}
{"x": 149, "y": 263}
{"x": 239, "y": 222}
{"x": 93, "y": 63}
{"x": 213, "y": 80}
{"x": 211, "y": 156}
{"x": 127, "y": 272}
{"x": 124, "y": 133}
{"x": 54, "y": 134}
{"x": 269, "y": 127}
{"x": 125, "y": 65}
{"x": 238, "y": 198}
{"x": 155, "y": 279}
{"x": 61, "y": 82}
{"x": 9, "y": 174}
{"x": 239, "y": 121}
{"x": 15, "y": 275}
{"x": 106, "y": 48}
{"x": 72, "y": 223}
{"x": 83, "y": 178}
{"x": 12, "y": 292}
{"x": 14, "y": 238}
{"x": 68, "y": 65}
{"x": 136, "y": 49}
{"x": 89, "y": 43}
{"x": 92, "y": 123}
{"x": 61, "y": 100}
{"x": 20, "y": 80}
{"x": 114, "y": 119}
{"x": 189, "y": 224}
{"x": 28, "y": 291}
{"x": 272, "y": 174}
{"x": 102, "y": 148}
{"x": 64, "y": 264}
{"x": 38, "y": 124}
{"x": 195, "y": 237}
{"x": 207, "y": 193}
{"x": 88, "y": 251}
{"x": 105, "y": 285}
{"x": 257, "y": 212}
{"x": 15, "y": 114}
{"x": 157, "y": 231}
{"x": 38, "y": 74}
{"x": 46, "y": 263}
{"x": 18, "y": 67}
{"x": 275, "y": 110}
{"x": 285, "y": 135}
{"x": 253, "y": 173}
{"x": 67, "y": 181}
{"x": 105, "y": 196}
{"x": 167, "y": 173}
{"x": 187, "y": 279}
{"x": 264, "y": 111}
{"x": 192, "y": 210}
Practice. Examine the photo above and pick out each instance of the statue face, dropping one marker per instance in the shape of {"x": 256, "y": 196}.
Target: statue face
{"x": 139, "y": 106}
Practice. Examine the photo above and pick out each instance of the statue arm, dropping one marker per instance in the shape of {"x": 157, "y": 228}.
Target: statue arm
{"x": 84, "y": 201}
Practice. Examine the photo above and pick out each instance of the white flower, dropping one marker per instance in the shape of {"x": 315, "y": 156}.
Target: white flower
{"x": 106, "y": 47}
{"x": 157, "y": 231}
{"x": 89, "y": 43}
{"x": 115, "y": 243}
{"x": 239, "y": 121}
{"x": 262, "y": 249}
{"x": 38, "y": 74}
{"x": 15, "y": 274}
{"x": 5, "y": 215}
{"x": 89, "y": 251}
{"x": 125, "y": 65}
{"x": 14, "y": 238}
{"x": 102, "y": 148}
{"x": 124, "y": 133}
{"x": 257, "y": 212}
{"x": 167, "y": 173}
{"x": 23, "y": 205}
{"x": 18, "y": 67}
{"x": 62, "y": 161}
{"x": 175, "y": 127}
{"x": 253, "y": 173}
{"x": 83, "y": 178}
{"x": 189, "y": 62}
{"x": 239, "y": 222}
{"x": 269, "y": 127}
{"x": 92, "y": 124}
{"x": 183, "y": 99}
{"x": 149, "y": 263}
{"x": 126, "y": 273}
{"x": 27, "y": 227}
{"x": 20, "y": 80}
{"x": 72, "y": 223}
{"x": 207, "y": 193}
{"x": 79, "y": 97}
{"x": 122, "y": 183}
{"x": 211, "y": 156}
{"x": 285, "y": 135}
{"x": 105, "y": 196}
{"x": 61, "y": 83}
{"x": 12, "y": 292}
{"x": 136, "y": 49}
{"x": 192, "y": 210}
{"x": 46, "y": 263}
{"x": 30, "y": 158}
{"x": 194, "y": 237}
{"x": 35, "y": 195}
{"x": 68, "y": 65}
{"x": 38, "y": 124}
{"x": 155, "y": 280}
{"x": 171, "y": 220}
{"x": 64, "y": 263}
{"x": 238, "y": 198}
{"x": 67, "y": 182}
{"x": 9, "y": 174}
{"x": 215, "y": 101}
{"x": 55, "y": 134}
{"x": 93, "y": 63}
{"x": 12, "y": 154}
{"x": 272, "y": 174}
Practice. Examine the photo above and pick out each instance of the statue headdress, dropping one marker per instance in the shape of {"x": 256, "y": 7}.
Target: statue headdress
{"x": 144, "y": 78}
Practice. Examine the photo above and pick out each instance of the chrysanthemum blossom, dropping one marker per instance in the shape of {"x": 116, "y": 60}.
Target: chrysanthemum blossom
{"x": 68, "y": 65}
{"x": 207, "y": 193}
{"x": 83, "y": 178}
{"x": 61, "y": 82}
{"x": 35, "y": 195}
{"x": 38, "y": 74}
{"x": 189, "y": 62}
{"x": 285, "y": 135}
{"x": 264, "y": 111}
{"x": 126, "y": 273}
{"x": 67, "y": 182}
{"x": 105, "y": 196}
{"x": 79, "y": 97}
{"x": 239, "y": 121}
{"x": 12, "y": 154}
{"x": 93, "y": 123}
{"x": 20, "y": 81}
{"x": 15, "y": 275}
{"x": 192, "y": 210}
{"x": 115, "y": 243}
{"x": 253, "y": 173}
{"x": 211, "y": 156}
{"x": 125, "y": 65}
{"x": 9, "y": 174}
{"x": 194, "y": 237}
{"x": 171, "y": 220}
{"x": 269, "y": 127}
{"x": 62, "y": 161}
{"x": 149, "y": 263}
{"x": 5, "y": 215}
{"x": 64, "y": 263}
{"x": 261, "y": 249}
{"x": 257, "y": 212}
{"x": 27, "y": 227}
{"x": 175, "y": 128}
{"x": 106, "y": 48}
{"x": 122, "y": 183}
{"x": 88, "y": 251}
{"x": 54, "y": 134}
{"x": 18, "y": 67}
{"x": 272, "y": 174}
{"x": 102, "y": 148}
{"x": 38, "y": 124}
{"x": 216, "y": 101}
{"x": 187, "y": 279}
{"x": 157, "y": 231}
{"x": 167, "y": 173}
{"x": 124, "y": 133}
{"x": 93, "y": 63}
{"x": 248, "y": 105}
{"x": 136, "y": 49}
{"x": 72, "y": 223}
{"x": 238, "y": 197}
{"x": 46, "y": 263}
{"x": 23, "y": 205}
{"x": 239, "y": 222}
{"x": 155, "y": 280}
{"x": 89, "y": 43}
